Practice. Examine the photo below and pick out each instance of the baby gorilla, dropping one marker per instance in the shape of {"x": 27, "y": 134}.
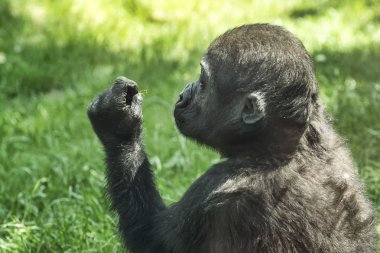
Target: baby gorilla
{"x": 287, "y": 183}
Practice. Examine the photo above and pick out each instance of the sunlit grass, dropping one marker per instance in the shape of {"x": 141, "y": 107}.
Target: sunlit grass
{"x": 55, "y": 56}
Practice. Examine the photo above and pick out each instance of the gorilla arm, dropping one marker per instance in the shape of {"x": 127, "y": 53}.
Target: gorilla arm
{"x": 116, "y": 118}
{"x": 133, "y": 194}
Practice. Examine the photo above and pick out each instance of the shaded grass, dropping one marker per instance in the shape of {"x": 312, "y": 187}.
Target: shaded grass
{"x": 59, "y": 55}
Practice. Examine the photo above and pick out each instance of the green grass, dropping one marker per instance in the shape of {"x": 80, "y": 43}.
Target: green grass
{"x": 55, "y": 56}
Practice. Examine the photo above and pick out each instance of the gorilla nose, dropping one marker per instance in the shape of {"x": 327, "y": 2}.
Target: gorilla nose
{"x": 185, "y": 97}
{"x": 180, "y": 97}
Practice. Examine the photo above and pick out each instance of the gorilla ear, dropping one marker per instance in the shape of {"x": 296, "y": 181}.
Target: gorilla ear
{"x": 254, "y": 108}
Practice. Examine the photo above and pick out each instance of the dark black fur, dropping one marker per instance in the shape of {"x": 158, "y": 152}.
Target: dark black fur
{"x": 287, "y": 183}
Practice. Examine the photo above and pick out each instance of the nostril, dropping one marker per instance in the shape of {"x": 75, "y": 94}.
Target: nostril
{"x": 183, "y": 101}
{"x": 185, "y": 97}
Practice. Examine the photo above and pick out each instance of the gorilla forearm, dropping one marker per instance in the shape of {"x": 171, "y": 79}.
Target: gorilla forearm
{"x": 133, "y": 193}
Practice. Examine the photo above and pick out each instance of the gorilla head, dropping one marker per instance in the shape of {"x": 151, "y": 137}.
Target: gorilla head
{"x": 256, "y": 83}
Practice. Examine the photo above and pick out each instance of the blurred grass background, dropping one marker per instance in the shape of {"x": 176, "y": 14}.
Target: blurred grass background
{"x": 55, "y": 56}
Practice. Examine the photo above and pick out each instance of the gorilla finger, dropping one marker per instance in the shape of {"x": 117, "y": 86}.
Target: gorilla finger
{"x": 122, "y": 85}
{"x": 124, "y": 90}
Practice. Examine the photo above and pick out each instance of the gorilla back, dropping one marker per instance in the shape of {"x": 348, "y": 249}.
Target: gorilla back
{"x": 287, "y": 183}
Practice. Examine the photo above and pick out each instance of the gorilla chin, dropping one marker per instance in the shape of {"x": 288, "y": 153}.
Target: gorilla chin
{"x": 180, "y": 121}
{"x": 184, "y": 125}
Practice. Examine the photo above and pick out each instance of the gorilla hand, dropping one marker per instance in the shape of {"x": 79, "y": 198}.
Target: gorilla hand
{"x": 116, "y": 114}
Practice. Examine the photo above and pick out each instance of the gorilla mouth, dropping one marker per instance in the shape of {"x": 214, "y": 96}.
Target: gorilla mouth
{"x": 131, "y": 92}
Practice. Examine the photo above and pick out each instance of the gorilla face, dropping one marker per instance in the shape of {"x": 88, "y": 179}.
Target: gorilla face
{"x": 194, "y": 102}
{"x": 196, "y": 109}
{"x": 215, "y": 110}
